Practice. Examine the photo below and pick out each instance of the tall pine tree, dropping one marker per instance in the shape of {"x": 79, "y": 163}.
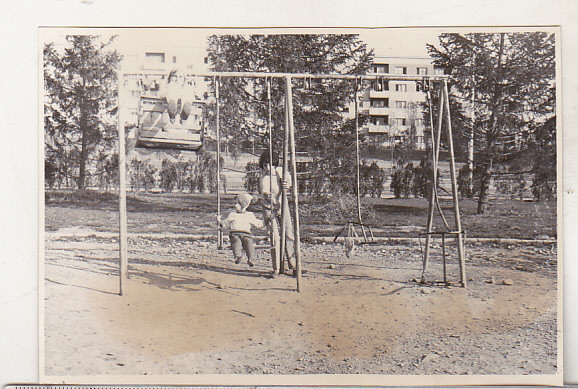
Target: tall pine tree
{"x": 80, "y": 103}
{"x": 508, "y": 79}
{"x": 320, "y": 126}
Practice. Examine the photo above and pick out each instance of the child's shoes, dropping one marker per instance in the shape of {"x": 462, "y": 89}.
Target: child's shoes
{"x": 237, "y": 261}
{"x": 250, "y": 263}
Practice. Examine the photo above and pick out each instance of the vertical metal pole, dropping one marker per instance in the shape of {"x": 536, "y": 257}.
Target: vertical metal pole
{"x": 217, "y": 125}
{"x": 444, "y": 256}
{"x": 436, "y": 139}
{"x": 430, "y": 107}
{"x": 438, "y": 142}
{"x": 291, "y": 130}
{"x": 275, "y": 254}
{"x": 123, "y": 239}
{"x": 357, "y": 172}
{"x": 455, "y": 187}
{"x": 357, "y": 169}
{"x": 284, "y": 200}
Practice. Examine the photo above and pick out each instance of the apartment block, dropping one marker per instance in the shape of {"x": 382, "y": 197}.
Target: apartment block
{"x": 146, "y": 70}
{"x": 395, "y": 107}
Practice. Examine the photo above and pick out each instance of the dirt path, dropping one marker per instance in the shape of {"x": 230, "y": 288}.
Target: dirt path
{"x": 188, "y": 310}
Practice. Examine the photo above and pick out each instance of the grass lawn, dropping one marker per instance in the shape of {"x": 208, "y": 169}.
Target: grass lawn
{"x": 196, "y": 213}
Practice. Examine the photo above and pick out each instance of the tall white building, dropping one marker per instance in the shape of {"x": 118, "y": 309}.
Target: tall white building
{"x": 146, "y": 69}
{"x": 394, "y": 107}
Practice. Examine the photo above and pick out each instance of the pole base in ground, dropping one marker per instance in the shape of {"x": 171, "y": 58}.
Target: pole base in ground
{"x": 459, "y": 238}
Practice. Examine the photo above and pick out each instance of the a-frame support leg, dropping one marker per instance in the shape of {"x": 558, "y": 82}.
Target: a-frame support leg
{"x": 444, "y": 110}
{"x": 436, "y": 140}
{"x": 458, "y": 223}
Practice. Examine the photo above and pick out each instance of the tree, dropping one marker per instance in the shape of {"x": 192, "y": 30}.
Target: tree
{"x": 543, "y": 161}
{"x": 80, "y": 102}
{"x": 509, "y": 77}
{"x": 372, "y": 179}
{"x": 142, "y": 175}
{"x": 168, "y": 175}
{"x": 106, "y": 171}
{"x": 251, "y": 181}
{"x": 321, "y": 129}
{"x": 423, "y": 178}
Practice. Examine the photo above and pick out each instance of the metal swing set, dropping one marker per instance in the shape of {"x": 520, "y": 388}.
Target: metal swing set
{"x": 154, "y": 131}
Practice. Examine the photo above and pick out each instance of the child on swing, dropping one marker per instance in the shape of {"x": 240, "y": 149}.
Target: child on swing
{"x": 239, "y": 224}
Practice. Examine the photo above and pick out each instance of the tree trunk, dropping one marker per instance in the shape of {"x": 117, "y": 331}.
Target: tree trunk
{"x": 83, "y": 151}
{"x": 471, "y": 146}
{"x": 485, "y": 179}
{"x": 492, "y": 134}
{"x": 84, "y": 144}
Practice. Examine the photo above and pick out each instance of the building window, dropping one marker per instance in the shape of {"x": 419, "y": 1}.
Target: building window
{"x": 380, "y": 85}
{"x": 422, "y": 71}
{"x": 381, "y": 68}
{"x": 438, "y": 71}
{"x": 401, "y": 87}
{"x": 155, "y": 57}
{"x": 379, "y": 120}
{"x": 401, "y": 104}
{"x": 401, "y": 70}
{"x": 379, "y": 103}
{"x": 400, "y": 121}
{"x": 174, "y": 59}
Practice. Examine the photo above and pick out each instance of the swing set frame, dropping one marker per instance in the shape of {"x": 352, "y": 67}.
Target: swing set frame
{"x": 289, "y": 154}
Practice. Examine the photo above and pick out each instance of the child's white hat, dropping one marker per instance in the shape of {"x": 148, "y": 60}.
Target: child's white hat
{"x": 244, "y": 199}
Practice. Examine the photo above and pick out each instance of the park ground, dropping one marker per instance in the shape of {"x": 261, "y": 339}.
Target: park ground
{"x": 188, "y": 309}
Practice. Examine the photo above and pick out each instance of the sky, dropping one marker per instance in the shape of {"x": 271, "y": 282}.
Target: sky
{"x": 389, "y": 42}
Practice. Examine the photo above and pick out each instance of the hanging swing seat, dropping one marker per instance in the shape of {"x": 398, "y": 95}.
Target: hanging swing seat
{"x": 350, "y": 232}
{"x": 155, "y": 129}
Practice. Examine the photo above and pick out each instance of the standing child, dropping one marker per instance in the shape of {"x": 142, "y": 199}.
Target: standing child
{"x": 271, "y": 188}
{"x": 239, "y": 224}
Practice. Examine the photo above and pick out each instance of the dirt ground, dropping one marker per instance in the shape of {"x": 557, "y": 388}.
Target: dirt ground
{"x": 188, "y": 309}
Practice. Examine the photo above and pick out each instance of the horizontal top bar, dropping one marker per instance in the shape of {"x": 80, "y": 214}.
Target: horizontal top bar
{"x": 394, "y": 77}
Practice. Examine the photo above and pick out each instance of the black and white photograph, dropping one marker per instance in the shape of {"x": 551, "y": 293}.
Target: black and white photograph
{"x": 366, "y": 206}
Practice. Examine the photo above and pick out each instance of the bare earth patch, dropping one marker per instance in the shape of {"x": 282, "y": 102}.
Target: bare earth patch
{"x": 188, "y": 309}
